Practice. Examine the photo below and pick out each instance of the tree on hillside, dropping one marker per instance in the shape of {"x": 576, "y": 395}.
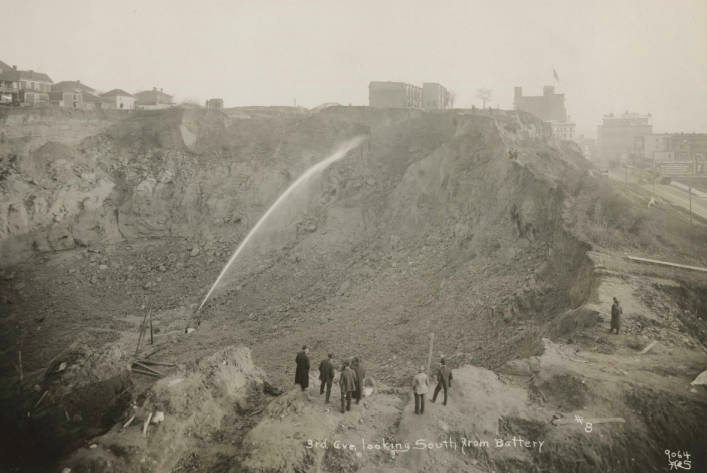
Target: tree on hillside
{"x": 485, "y": 96}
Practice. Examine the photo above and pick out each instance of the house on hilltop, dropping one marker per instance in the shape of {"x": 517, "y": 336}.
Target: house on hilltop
{"x": 118, "y": 99}
{"x": 73, "y": 85}
{"x": 153, "y": 99}
{"x": 9, "y": 87}
{"x": 34, "y": 87}
{"x": 91, "y": 101}
{"x": 69, "y": 94}
{"x": 23, "y": 87}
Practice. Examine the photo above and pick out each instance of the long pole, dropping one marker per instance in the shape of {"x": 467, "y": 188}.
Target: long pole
{"x": 429, "y": 355}
{"x": 690, "y": 193}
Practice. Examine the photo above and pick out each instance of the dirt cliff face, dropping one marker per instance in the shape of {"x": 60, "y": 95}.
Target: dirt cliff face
{"x": 454, "y": 216}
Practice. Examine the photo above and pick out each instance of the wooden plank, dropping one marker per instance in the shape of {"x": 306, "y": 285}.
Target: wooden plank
{"x": 132, "y": 418}
{"x": 148, "y": 373}
{"x": 648, "y": 348}
{"x": 147, "y": 368}
{"x": 666, "y": 263}
{"x": 147, "y": 423}
{"x": 157, "y": 363}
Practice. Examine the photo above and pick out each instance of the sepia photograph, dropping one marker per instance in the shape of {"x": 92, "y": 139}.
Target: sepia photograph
{"x": 317, "y": 236}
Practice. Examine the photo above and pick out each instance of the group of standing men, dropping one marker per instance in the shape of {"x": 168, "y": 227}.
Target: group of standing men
{"x": 420, "y": 385}
{"x": 350, "y": 381}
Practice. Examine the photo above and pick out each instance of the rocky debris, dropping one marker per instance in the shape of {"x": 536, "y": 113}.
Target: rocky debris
{"x": 176, "y": 412}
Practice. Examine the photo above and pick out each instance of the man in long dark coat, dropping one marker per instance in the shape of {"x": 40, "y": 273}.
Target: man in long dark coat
{"x": 444, "y": 380}
{"x": 616, "y": 312}
{"x": 326, "y": 376}
{"x": 360, "y": 376}
{"x": 347, "y": 385}
{"x": 302, "y": 372}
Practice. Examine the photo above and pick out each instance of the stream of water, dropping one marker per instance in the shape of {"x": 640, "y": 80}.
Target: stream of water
{"x": 340, "y": 152}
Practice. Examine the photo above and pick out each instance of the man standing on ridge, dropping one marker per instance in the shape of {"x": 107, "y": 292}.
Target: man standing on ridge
{"x": 302, "y": 372}
{"x": 360, "y": 376}
{"x": 347, "y": 384}
{"x": 444, "y": 380}
{"x": 420, "y": 386}
{"x": 616, "y": 312}
{"x": 326, "y": 376}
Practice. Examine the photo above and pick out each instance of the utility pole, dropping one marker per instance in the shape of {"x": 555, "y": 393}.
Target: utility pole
{"x": 429, "y": 355}
{"x": 690, "y": 194}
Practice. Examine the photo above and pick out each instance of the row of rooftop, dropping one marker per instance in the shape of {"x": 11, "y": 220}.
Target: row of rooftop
{"x": 549, "y": 107}
{"x": 27, "y": 87}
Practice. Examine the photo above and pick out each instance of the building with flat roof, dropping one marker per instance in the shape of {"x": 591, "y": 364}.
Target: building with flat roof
{"x": 394, "y": 95}
{"x": 616, "y": 135}
{"x": 435, "y": 96}
{"x": 549, "y": 107}
{"x": 214, "y": 104}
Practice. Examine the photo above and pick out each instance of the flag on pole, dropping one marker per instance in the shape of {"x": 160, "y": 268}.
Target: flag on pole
{"x": 554, "y": 73}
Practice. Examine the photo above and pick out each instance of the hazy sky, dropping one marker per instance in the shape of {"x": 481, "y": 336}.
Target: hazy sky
{"x": 611, "y": 55}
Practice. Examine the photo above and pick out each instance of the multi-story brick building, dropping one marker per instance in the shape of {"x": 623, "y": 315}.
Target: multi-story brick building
{"x": 616, "y": 135}
{"x": 435, "y": 96}
{"x": 549, "y": 107}
{"x": 394, "y": 95}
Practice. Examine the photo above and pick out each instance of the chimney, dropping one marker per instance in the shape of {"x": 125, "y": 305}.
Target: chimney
{"x": 14, "y": 68}
{"x": 161, "y": 89}
{"x": 154, "y": 89}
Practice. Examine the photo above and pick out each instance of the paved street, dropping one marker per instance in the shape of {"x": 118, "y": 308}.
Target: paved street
{"x": 679, "y": 197}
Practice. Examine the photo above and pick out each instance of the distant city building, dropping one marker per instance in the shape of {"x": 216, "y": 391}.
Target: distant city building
{"x": 394, "y": 95}
{"x": 435, "y": 96}
{"x": 563, "y": 130}
{"x": 118, "y": 99}
{"x": 653, "y": 148}
{"x": 549, "y": 107}
{"x": 153, "y": 99}
{"x": 214, "y": 104}
{"x": 689, "y": 146}
{"x": 616, "y": 135}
